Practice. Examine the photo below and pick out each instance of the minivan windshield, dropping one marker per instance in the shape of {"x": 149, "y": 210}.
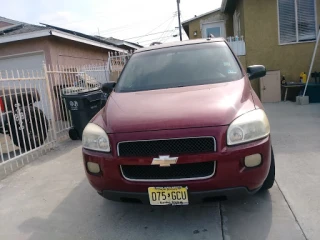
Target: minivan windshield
{"x": 180, "y": 66}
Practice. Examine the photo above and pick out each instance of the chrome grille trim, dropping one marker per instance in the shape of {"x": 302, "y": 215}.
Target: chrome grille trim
{"x": 170, "y": 180}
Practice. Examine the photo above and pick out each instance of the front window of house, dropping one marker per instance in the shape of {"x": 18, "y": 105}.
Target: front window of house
{"x": 297, "y": 21}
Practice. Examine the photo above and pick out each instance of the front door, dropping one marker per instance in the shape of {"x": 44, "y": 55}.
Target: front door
{"x": 217, "y": 29}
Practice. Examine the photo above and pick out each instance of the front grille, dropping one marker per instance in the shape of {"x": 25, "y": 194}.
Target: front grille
{"x": 190, "y": 171}
{"x": 154, "y": 148}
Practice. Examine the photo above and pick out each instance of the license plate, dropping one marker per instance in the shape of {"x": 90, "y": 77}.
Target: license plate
{"x": 168, "y": 195}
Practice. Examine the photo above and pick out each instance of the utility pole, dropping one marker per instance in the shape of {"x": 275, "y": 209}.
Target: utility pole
{"x": 178, "y": 5}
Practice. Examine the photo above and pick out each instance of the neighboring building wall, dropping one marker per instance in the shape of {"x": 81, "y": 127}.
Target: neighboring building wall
{"x": 69, "y": 53}
{"x": 229, "y": 24}
{"x": 240, "y": 8}
{"x": 26, "y": 46}
{"x": 229, "y": 20}
{"x": 196, "y": 24}
{"x": 57, "y": 51}
{"x": 243, "y": 61}
{"x": 262, "y": 45}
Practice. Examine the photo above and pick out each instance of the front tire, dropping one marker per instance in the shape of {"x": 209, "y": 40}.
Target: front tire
{"x": 33, "y": 125}
{"x": 73, "y": 134}
{"x": 268, "y": 183}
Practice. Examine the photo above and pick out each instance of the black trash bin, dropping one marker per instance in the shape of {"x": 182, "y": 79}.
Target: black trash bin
{"x": 83, "y": 106}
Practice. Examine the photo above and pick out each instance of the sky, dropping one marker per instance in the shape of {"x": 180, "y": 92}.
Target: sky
{"x": 120, "y": 19}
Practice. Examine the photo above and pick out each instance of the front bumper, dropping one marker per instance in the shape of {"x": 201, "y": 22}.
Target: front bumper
{"x": 230, "y": 175}
{"x": 194, "y": 197}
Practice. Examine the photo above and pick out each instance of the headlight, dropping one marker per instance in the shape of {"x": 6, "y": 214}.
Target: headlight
{"x": 95, "y": 138}
{"x": 251, "y": 126}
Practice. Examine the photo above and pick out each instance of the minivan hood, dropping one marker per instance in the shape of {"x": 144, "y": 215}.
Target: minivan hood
{"x": 176, "y": 108}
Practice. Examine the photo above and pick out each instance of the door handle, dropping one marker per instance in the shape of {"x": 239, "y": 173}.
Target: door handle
{"x": 264, "y": 88}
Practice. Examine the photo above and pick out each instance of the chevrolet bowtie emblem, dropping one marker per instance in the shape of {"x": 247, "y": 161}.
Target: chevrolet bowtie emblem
{"x": 164, "y": 161}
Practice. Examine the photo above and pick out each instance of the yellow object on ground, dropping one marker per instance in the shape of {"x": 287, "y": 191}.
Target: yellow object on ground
{"x": 303, "y": 77}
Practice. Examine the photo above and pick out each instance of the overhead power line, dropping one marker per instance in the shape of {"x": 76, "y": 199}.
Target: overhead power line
{"x": 158, "y": 26}
{"x": 168, "y": 27}
{"x": 130, "y": 25}
{"x": 150, "y": 40}
{"x": 166, "y": 38}
{"x": 149, "y": 34}
{"x": 155, "y": 39}
{"x": 115, "y": 29}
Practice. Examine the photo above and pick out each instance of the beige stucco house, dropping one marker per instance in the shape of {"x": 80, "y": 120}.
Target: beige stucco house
{"x": 280, "y": 34}
{"x": 200, "y": 26}
{"x": 26, "y": 46}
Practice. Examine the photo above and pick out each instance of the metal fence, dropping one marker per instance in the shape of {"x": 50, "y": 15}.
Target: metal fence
{"x": 116, "y": 63}
{"x": 26, "y": 122}
{"x": 238, "y": 45}
{"x": 33, "y": 113}
{"x": 65, "y": 80}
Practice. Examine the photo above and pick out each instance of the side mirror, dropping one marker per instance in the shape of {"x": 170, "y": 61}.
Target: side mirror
{"x": 108, "y": 87}
{"x": 256, "y": 71}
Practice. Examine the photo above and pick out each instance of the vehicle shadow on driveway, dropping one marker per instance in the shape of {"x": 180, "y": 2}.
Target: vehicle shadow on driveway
{"x": 265, "y": 215}
{"x": 83, "y": 214}
{"x": 249, "y": 218}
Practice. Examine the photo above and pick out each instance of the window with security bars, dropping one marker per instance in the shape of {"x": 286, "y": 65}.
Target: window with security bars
{"x": 297, "y": 21}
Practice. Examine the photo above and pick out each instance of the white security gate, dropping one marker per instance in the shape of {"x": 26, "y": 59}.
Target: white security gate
{"x": 32, "y": 65}
{"x": 33, "y": 112}
{"x": 115, "y": 65}
{"x": 96, "y": 72}
{"x": 238, "y": 45}
{"x": 24, "y": 127}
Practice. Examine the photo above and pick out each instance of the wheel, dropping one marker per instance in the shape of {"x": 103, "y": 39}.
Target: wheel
{"x": 73, "y": 134}
{"x": 268, "y": 183}
{"x": 29, "y": 128}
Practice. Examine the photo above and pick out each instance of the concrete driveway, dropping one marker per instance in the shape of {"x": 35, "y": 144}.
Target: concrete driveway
{"x": 51, "y": 198}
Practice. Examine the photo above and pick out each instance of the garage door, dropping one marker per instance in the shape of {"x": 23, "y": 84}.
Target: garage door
{"x": 26, "y": 62}
{"x": 13, "y": 66}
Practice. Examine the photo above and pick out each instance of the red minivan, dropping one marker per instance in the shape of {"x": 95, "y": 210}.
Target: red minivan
{"x": 182, "y": 125}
